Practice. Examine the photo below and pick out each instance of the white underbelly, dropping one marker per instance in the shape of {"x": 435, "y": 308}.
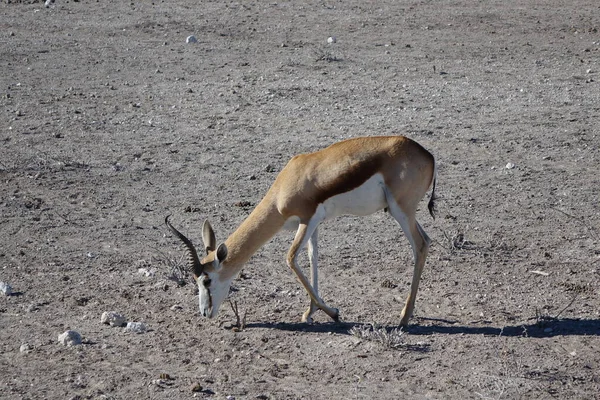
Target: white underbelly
{"x": 366, "y": 199}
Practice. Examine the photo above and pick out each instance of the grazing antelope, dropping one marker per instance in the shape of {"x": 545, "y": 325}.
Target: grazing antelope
{"x": 357, "y": 176}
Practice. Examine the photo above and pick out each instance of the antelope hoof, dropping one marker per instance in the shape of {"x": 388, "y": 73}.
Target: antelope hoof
{"x": 307, "y": 318}
{"x": 404, "y": 322}
{"x": 336, "y": 315}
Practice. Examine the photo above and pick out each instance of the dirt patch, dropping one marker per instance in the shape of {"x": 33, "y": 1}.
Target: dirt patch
{"x": 111, "y": 121}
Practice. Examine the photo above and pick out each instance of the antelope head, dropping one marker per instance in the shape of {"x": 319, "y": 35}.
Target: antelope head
{"x": 212, "y": 289}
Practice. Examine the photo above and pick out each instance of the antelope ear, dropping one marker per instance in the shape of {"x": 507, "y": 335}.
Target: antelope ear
{"x": 208, "y": 237}
{"x": 222, "y": 253}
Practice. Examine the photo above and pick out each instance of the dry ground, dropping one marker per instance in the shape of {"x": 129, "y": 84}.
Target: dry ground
{"x": 109, "y": 121}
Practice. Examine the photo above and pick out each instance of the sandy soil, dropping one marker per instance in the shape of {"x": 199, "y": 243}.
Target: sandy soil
{"x": 109, "y": 121}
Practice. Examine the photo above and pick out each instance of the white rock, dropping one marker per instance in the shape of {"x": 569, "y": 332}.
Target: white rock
{"x": 191, "y": 39}
{"x": 69, "y": 338}
{"x": 48, "y": 3}
{"x": 136, "y": 327}
{"x": 5, "y": 288}
{"x": 331, "y": 39}
{"x": 113, "y": 319}
{"x": 510, "y": 165}
{"x": 26, "y": 348}
{"x": 146, "y": 272}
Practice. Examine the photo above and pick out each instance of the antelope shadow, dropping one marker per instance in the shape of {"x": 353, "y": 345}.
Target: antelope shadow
{"x": 539, "y": 329}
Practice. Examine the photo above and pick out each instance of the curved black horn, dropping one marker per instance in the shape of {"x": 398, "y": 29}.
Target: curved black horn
{"x": 193, "y": 260}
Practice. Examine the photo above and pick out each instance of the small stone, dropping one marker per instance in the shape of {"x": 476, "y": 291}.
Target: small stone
{"x": 5, "y": 288}
{"x": 48, "y": 3}
{"x": 510, "y": 165}
{"x": 331, "y": 39}
{"x": 69, "y": 338}
{"x": 191, "y": 39}
{"x": 230, "y": 397}
{"x": 136, "y": 327}
{"x": 113, "y": 319}
{"x": 196, "y": 387}
{"x": 26, "y": 348}
{"x": 176, "y": 307}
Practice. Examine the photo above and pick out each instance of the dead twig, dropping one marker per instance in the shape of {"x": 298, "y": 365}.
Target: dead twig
{"x": 580, "y": 220}
{"x": 542, "y": 319}
{"x": 240, "y": 323}
{"x": 67, "y": 220}
{"x": 568, "y": 305}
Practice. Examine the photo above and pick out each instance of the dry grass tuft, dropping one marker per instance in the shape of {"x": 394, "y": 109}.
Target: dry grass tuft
{"x": 176, "y": 269}
{"x": 392, "y": 339}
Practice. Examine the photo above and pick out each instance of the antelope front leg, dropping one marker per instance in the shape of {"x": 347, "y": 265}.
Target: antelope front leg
{"x": 314, "y": 275}
{"x": 302, "y": 238}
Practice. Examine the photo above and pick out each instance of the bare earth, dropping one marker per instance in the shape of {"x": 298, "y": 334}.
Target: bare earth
{"x": 109, "y": 121}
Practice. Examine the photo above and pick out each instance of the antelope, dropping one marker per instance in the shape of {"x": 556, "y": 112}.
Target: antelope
{"x": 357, "y": 176}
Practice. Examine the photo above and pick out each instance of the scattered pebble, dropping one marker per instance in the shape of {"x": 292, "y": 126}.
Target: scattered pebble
{"x": 33, "y": 307}
{"x": 113, "y": 319}
{"x": 26, "y": 348}
{"x": 510, "y": 165}
{"x": 176, "y": 307}
{"x": 69, "y": 338}
{"x": 331, "y": 39}
{"x": 5, "y": 288}
{"x": 136, "y": 327}
{"x": 191, "y": 39}
{"x": 48, "y": 3}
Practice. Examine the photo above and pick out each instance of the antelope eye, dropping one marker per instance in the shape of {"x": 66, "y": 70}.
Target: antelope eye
{"x": 206, "y": 282}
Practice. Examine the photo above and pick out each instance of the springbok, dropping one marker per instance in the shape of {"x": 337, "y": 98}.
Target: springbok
{"x": 357, "y": 177}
